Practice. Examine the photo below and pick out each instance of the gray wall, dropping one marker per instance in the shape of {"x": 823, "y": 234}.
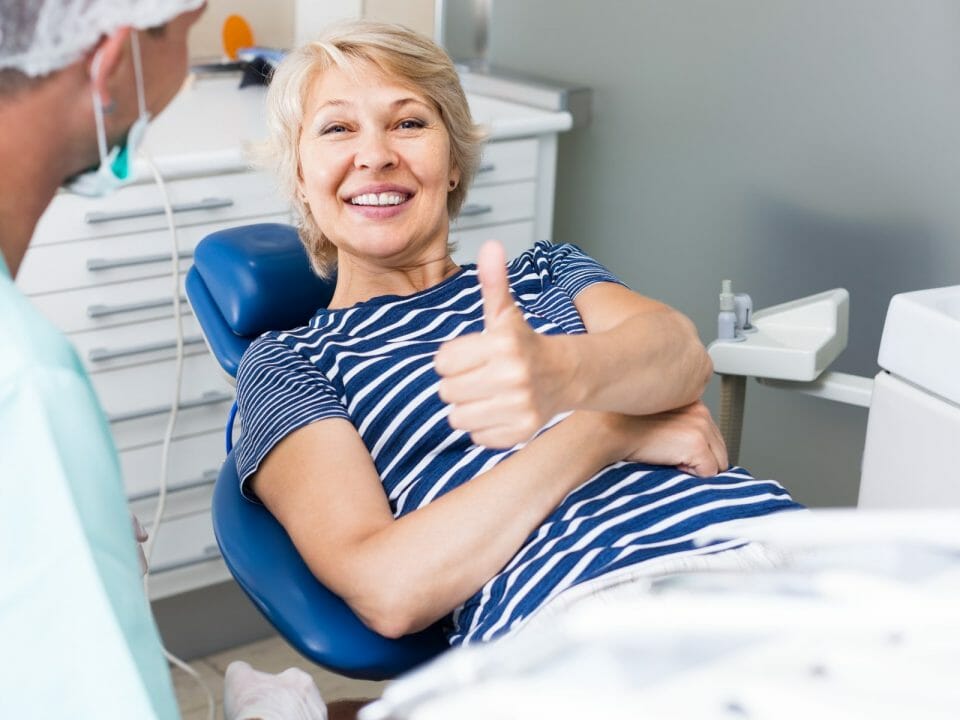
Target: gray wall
{"x": 792, "y": 146}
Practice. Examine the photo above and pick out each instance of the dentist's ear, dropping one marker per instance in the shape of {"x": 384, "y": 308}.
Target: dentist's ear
{"x": 104, "y": 60}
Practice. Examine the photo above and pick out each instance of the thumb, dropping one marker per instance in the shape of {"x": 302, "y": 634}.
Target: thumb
{"x": 494, "y": 286}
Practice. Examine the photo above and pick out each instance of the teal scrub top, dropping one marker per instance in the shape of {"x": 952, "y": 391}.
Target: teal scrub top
{"x": 77, "y": 639}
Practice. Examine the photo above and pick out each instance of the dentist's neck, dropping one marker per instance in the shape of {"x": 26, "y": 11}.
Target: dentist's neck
{"x": 44, "y": 141}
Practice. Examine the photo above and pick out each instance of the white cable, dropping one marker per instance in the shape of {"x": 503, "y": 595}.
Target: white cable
{"x": 172, "y": 420}
{"x": 211, "y": 701}
{"x": 178, "y": 375}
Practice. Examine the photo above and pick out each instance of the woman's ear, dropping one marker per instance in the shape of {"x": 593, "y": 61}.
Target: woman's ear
{"x": 301, "y": 187}
{"x": 104, "y": 61}
{"x": 454, "y": 179}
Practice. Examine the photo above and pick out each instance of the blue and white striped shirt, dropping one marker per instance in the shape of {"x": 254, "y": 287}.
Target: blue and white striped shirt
{"x": 372, "y": 364}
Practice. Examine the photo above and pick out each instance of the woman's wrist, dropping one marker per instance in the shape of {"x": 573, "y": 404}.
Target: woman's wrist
{"x": 566, "y": 354}
{"x": 604, "y": 433}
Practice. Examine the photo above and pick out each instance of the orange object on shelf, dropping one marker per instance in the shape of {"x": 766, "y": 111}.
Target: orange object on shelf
{"x": 236, "y": 34}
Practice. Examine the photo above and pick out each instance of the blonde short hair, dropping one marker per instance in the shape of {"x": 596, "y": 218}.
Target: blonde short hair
{"x": 399, "y": 54}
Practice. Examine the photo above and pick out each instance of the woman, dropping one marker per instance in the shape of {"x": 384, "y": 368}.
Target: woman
{"x": 463, "y": 443}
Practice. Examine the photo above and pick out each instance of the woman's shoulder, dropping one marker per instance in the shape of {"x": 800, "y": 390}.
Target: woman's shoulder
{"x": 545, "y": 253}
{"x": 278, "y": 347}
{"x": 559, "y": 265}
{"x": 546, "y": 259}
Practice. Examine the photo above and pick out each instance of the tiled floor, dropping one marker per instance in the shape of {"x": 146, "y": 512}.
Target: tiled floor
{"x": 272, "y": 655}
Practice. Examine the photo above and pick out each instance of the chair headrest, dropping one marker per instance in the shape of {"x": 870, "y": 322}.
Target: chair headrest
{"x": 260, "y": 278}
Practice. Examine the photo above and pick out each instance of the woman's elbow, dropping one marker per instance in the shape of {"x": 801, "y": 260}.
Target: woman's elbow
{"x": 392, "y": 623}
{"x": 699, "y": 367}
{"x": 706, "y": 371}
{"x": 389, "y": 613}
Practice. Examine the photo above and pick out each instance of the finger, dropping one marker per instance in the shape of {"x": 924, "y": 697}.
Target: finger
{"x": 702, "y": 466}
{"x": 718, "y": 447}
{"x": 720, "y": 452}
{"x": 498, "y": 438}
{"x": 466, "y": 387}
{"x": 461, "y": 355}
{"x": 483, "y": 414}
{"x": 503, "y": 414}
{"x": 494, "y": 285}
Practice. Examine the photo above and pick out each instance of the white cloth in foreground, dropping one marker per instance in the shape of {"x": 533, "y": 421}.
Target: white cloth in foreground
{"x": 862, "y": 621}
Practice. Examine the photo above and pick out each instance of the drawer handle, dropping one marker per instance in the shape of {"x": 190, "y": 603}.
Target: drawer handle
{"x": 486, "y": 168}
{"x": 104, "y": 354}
{"x": 208, "y": 398}
{"x": 473, "y": 209}
{"x": 210, "y": 552}
{"x": 98, "y": 311}
{"x": 97, "y": 264}
{"x": 208, "y": 477}
{"x": 92, "y": 218}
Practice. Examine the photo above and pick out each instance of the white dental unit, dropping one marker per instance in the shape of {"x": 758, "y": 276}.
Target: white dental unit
{"x": 913, "y": 427}
{"x": 913, "y": 432}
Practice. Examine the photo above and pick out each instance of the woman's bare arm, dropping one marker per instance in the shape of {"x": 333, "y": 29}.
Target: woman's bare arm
{"x": 401, "y": 575}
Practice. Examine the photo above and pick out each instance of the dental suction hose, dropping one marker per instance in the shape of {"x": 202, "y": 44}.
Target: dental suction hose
{"x": 730, "y": 328}
{"x": 733, "y": 389}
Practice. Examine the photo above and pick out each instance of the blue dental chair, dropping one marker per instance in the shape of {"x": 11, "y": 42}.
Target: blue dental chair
{"x": 245, "y": 281}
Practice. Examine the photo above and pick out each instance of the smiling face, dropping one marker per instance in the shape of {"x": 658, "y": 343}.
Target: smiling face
{"x": 375, "y": 169}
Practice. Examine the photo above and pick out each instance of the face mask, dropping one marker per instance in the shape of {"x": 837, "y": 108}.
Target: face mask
{"x": 116, "y": 167}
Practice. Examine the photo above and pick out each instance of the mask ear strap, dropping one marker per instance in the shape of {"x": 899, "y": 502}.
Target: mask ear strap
{"x": 98, "y": 107}
{"x": 138, "y": 72}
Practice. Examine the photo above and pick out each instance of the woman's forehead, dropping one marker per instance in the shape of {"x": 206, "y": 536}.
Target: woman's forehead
{"x": 362, "y": 82}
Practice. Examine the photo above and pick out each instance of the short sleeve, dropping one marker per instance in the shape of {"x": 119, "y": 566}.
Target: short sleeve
{"x": 571, "y": 269}
{"x": 278, "y": 391}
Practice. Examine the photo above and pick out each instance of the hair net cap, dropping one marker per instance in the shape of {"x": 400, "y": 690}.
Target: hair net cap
{"x": 40, "y": 36}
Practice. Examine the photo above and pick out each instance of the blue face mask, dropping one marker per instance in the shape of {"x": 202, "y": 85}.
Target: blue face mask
{"x": 116, "y": 166}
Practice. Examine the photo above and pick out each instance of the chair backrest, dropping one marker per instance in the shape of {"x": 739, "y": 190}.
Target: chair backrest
{"x": 248, "y": 280}
{"x": 245, "y": 281}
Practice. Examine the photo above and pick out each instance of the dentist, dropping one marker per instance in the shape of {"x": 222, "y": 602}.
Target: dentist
{"x": 79, "y": 80}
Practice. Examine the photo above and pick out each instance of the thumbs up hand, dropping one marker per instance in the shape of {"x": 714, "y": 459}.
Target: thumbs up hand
{"x": 503, "y": 384}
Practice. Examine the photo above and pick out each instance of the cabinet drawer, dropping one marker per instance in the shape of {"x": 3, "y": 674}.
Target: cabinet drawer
{"x": 139, "y": 208}
{"x": 496, "y": 204}
{"x": 114, "y": 259}
{"x": 508, "y": 161}
{"x": 194, "y": 462}
{"x": 180, "y": 502}
{"x": 137, "y": 399}
{"x": 104, "y": 306}
{"x": 515, "y": 237}
{"x": 183, "y": 541}
{"x": 135, "y": 344}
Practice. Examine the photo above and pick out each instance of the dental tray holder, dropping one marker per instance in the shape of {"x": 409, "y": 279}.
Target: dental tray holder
{"x": 791, "y": 347}
{"x": 796, "y": 340}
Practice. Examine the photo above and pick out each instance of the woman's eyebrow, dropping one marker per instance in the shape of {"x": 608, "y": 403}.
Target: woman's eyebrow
{"x": 334, "y": 102}
{"x": 408, "y": 101}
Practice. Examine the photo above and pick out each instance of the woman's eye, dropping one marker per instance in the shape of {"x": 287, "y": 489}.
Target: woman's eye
{"x": 411, "y": 124}
{"x": 333, "y": 129}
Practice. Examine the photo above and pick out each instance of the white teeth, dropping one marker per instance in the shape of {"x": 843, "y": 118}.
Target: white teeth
{"x": 387, "y": 198}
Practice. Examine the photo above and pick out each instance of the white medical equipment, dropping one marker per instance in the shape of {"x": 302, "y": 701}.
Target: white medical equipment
{"x": 914, "y": 418}
{"x": 862, "y": 619}
{"x": 862, "y": 623}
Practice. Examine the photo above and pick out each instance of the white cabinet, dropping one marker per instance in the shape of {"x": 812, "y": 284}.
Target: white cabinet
{"x": 100, "y": 269}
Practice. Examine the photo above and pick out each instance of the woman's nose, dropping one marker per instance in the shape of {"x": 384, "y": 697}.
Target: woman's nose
{"x": 375, "y": 152}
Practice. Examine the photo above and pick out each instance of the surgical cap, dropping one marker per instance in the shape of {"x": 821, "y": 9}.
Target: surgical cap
{"x": 40, "y": 36}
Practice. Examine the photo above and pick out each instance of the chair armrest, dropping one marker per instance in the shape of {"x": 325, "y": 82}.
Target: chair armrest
{"x": 320, "y": 625}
